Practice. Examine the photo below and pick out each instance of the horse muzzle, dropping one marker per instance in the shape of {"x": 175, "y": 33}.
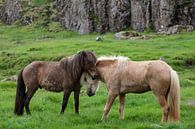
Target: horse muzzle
{"x": 90, "y": 93}
{"x": 95, "y": 77}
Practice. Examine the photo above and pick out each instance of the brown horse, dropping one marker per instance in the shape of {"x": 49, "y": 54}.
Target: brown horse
{"x": 59, "y": 76}
{"x": 123, "y": 76}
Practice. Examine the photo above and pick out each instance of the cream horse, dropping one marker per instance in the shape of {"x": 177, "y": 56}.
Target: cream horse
{"x": 92, "y": 84}
{"x": 123, "y": 76}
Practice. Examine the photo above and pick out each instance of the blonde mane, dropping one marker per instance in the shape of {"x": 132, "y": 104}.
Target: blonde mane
{"x": 119, "y": 58}
{"x": 122, "y": 61}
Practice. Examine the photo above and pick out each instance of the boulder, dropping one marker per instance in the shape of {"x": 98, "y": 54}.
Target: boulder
{"x": 126, "y": 34}
{"x": 12, "y": 78}
{"x": 177, "y": 29}
{"x": 130, "y": 35}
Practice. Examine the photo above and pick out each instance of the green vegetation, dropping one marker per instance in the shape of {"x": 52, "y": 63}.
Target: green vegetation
{"x": 21, "y": 45}
{"x": 41, "y": 2}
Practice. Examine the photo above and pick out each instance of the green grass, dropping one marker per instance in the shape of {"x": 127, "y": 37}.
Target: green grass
{"x": 21, "y": 45}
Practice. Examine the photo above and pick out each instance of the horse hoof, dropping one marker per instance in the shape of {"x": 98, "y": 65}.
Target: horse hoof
{"x": 61, "y": 113}
{"x": 104, "y": 118}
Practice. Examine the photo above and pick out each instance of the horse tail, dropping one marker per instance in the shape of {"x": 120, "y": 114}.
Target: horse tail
{"x": 20, "y": 95}
{"x": 174, "y": 97}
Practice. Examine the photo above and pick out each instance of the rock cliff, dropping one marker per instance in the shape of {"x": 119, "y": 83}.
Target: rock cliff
{"x": 86, "y": 16}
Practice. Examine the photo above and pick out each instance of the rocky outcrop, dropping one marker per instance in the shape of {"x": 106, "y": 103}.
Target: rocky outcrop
{"x": 86, "y": 16}
{"x": 10, "y": 11}
{"x": 193, "y": 13}
{"x": 119, "y": 14}
{"x": 74, "y": 15}
{"x": 92, "y": 15}
{"x": 162, "y": 13}
{"x": 138, "y": 14}
{"x": 177, "y": 29}
{"x": 99, "y": 15}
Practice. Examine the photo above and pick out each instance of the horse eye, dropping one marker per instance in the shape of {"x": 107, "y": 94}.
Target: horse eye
{"x": 90, "y": 62}
{"x": 93, "y": 78}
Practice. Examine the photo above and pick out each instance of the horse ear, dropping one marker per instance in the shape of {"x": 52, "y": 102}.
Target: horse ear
{"x": 97, "y": 63}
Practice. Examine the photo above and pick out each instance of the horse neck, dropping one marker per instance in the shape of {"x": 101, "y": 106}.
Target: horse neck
{"x": 104, "y": 68}
{"x": 102, "y": 73}
{"x": 74, "y": 68}
{"x": 78, "y": 70}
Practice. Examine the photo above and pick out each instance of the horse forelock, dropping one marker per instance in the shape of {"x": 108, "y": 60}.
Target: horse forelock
{"x": 90, "y": 56}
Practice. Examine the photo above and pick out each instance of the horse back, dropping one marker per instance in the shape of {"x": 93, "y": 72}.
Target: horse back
{"x": 43, "y": 74}
{"x": 141, "y": 76}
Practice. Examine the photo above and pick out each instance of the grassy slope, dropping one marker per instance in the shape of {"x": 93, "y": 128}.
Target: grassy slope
{"x": 20, "y": 46}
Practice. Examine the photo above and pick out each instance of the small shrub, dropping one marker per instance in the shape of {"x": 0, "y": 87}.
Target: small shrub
{"x": 190, "y": 62}
{"x": 55, "y": 27}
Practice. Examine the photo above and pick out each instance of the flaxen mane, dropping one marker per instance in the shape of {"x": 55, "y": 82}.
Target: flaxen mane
{"x": 119, "y": 58}
{"x": 122, "y": 61}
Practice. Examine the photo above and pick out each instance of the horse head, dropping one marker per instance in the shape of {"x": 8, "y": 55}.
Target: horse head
{"x": 89, "y": 63}
{"x": 92, "y": 84}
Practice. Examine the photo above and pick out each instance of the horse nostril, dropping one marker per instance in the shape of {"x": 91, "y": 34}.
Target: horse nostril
{"x": 96, "y": 77}
{"x": 93, "y": 78}
{"x": 90, "y": 93}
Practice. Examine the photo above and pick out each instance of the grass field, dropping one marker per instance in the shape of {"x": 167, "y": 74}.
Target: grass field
{"x": 21, "y": 45}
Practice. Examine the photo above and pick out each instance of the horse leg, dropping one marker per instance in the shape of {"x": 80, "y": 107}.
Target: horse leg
{"x": 29, "y": 95}
{"x": 121, "y": 105}
{"x": 76, "y": 101}
{"x": 109, "y": 102}
{"x": 65, "y": 100}
{"x": 163, "y": 103}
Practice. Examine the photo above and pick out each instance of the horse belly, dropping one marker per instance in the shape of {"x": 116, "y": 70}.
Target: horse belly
{"x": 139, "y": 89}
{"x": 52, "y": 87}
{"x": 135, "y": 88}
